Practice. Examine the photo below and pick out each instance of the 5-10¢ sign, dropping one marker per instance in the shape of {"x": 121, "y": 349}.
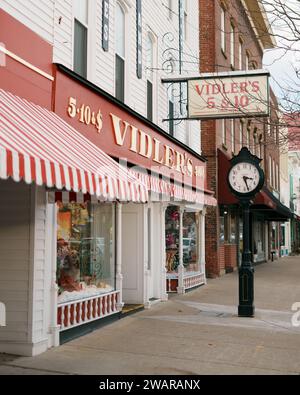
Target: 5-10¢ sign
{"x": 229, "y": 95}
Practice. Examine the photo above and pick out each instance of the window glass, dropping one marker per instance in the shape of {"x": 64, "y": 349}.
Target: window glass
{"x": 240, "y": 55}
{"x": 232, "y": 45}
{"x": 80, "y": 49}
{"x": 223, "y": 29}
{"x": 120, "y": 81}
{"x": 172, "y": 238}
{"x": 232, "y": 127}
{"x": 150, "y": 101}
{"x": 223, "y": 126}
{"x": 241, "y": 134}
{"x": 190, "y": 242}
{"x": 85, "y": 250}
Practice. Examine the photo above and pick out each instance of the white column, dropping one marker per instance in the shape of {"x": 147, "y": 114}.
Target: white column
{"x": 180, "y": 288}
{"x": 163, "y": 290}
{"x": 202, "y": 242}
{"x": 119, "y": 276}
{"x": 51, "y": 224}
{"x": 147, "y": 272}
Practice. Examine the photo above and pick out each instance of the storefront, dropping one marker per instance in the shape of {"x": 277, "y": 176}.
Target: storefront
{"x": 175, "y": 178}
{"x": 89, "y": 193}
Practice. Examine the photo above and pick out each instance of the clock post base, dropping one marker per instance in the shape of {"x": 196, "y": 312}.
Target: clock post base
{"x": 246, "y": 311}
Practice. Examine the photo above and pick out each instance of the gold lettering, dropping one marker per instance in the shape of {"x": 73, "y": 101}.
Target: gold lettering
{"x": 169, "y": 156}
{"x": 133, "y": 146}
{"x": 145, "y": 145}
{"x": 179, "y": 162}
{"x": 119, "y": 136}
{"x": 190, "y": 167}
{"x": 156, "y": 151}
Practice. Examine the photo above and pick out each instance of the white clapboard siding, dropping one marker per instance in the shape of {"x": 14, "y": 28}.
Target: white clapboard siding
{"x": 63, "y": 33}
{"x": 14, "y": 258}
{"x": 39, "y": 281}
{"x": 22, "y": 265}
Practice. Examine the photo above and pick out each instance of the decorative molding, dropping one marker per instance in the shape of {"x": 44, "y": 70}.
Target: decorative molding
{"x": 25, "y": 63}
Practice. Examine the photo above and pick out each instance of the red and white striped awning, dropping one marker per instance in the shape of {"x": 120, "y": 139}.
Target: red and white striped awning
{"x": 38, "y": 146}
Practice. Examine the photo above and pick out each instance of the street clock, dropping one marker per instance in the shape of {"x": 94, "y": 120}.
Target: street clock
{"x": 246, "y": 177}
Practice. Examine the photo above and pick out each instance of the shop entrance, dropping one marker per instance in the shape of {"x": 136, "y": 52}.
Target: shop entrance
{"x": 133, "y": 254}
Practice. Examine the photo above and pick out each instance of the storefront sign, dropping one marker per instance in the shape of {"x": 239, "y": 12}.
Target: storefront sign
{"x": 85, "y": 114}
{"x": 105, "y": 25}
{"x": 122, "y": 134}
{"x": 232, "y": 96}
{"x": 139, "y": 49}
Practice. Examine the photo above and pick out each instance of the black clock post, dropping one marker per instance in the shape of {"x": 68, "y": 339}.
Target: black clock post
{"x": 245, "y": 180}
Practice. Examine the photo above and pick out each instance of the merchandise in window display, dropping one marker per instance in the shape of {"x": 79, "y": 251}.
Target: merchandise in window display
{"x": 85, "y": 263}
{"x": 172, "y": 239}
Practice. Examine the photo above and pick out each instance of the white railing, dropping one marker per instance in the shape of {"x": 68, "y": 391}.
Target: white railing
{"x": 79, "y": 312}
{"x": 194, "y": 280}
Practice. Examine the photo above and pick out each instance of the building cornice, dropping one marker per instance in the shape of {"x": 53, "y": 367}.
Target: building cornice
{"x": 260, "y": 24}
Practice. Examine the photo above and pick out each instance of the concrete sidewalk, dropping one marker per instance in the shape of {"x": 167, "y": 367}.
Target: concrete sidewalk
{"x": 196, "y": 333}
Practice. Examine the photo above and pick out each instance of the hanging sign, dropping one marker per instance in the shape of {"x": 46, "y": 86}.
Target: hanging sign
{"x": 229, "y": 96}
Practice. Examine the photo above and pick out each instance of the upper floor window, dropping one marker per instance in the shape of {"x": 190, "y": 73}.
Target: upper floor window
{"x": 247, "y": 65}
{"x": 223, "y": 36}
{"x": 120, "y": 54}
{"x": 240, "y": 54}
{"x": 232, "y": 133}
{"x": 248, "y": 139}
{"x": 149, "y": 73}
{"x": 241, "y": 134}
{"x": 80, "y": 37}
{"x": 270, "y": 171}
{"x": 223, "y": 129}
{"x": 232, "y": 44}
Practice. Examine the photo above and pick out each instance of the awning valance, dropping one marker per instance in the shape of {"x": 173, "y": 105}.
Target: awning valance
{"x": 38, "y": 146}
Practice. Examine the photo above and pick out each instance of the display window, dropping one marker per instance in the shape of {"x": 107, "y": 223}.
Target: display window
{"x": 85, "y": 250}
{"x": 189, "y": 242}
{"x": 258, "y": 240}
{"x": 172, "y": 238}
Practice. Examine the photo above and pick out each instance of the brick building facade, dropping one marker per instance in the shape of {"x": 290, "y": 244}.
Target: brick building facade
{"x": 233, "y": 36}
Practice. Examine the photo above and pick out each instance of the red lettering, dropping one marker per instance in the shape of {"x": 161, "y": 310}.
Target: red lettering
{"x": 243, "y": 87}
{"x": 216, "y": 89}
{"x": 199, "y": 91}
{"x": 234, "y": 87}
{"x": 255, "y": 86}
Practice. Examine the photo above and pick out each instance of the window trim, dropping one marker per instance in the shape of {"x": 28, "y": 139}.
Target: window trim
{"x": 241, "y": 43}
{"x": 232, "y": 135}
{"x": 232, "y": 45}
{"x": 223, "y": 29}
{"x": 125, "y": 11}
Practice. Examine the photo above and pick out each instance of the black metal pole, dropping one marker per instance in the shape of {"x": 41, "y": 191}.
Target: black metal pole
{"x": 246, "y": 271}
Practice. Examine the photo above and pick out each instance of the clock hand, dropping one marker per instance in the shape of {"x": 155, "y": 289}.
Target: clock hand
{"x": 245, "y": 180}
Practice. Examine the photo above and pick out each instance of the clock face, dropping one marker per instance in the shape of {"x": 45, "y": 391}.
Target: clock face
{"x": 244, "y": 177}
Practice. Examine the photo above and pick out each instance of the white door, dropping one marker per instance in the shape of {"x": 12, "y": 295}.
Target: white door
{"x": 133, "y": 253}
